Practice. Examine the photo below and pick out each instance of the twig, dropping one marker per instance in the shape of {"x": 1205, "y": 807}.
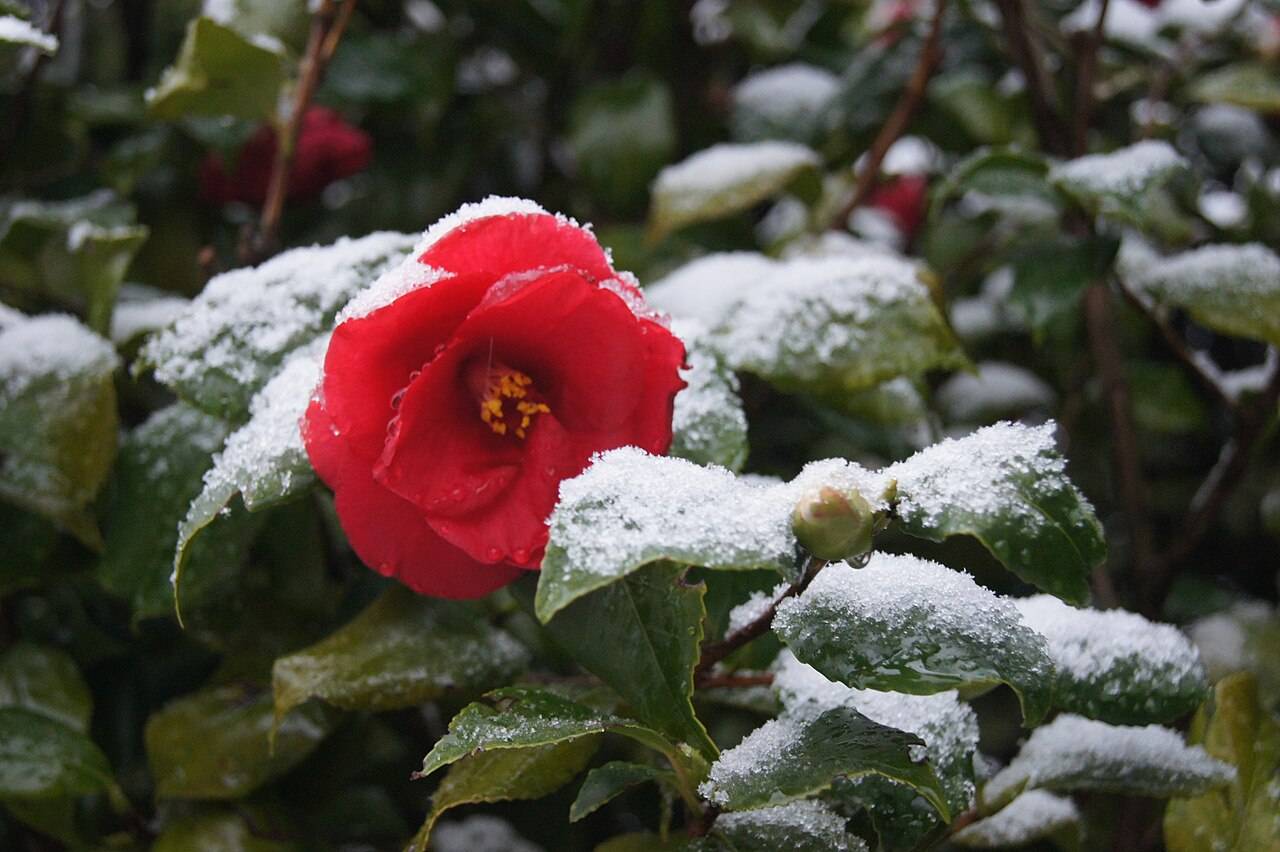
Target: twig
{"x": 1109, "y": 362}
{"x": 1087, "y": 46}
{"x": 700, "y": 826}
{"x": 896, "y": 124}
{"x": 327, "y": 27}
{"x": 714, "y": 652}
{"x": 1044, "y": 115}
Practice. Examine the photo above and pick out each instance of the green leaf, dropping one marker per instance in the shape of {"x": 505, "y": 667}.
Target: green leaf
{"x": 55, "y": 818}
{"x": 218, "y": 72}
{"x": 263, "y": 462}
{"x": 57, "y": 419}
{"x": 158, "y": 473}
{"x": 1123, "y": 185}
{"x": 403, "y": 650}
{"x": 642, "y": 635}
{"x": 45, "y": 680}
{"x": 1005, "y": 485}
{"x": 971, "y": 101}
{"x": 805, "y": 825}
{"x": 726, "y": 179}
{"x": 506, "y": 774}
{"x": 792, "y": 757}
{"x": 1234, "y": 289}
{"x": 604, "y": 783}
{"x": 1035, "y": 815}
{"x": 41, "y": 758}
{"x": 217, "y": 743}
{"x": 1252, "y": 85}
{"x": 1075, "y": 753}
{"x": 1236, "y": 728}
{"x": 242, "y": 327}
{"x": 708, "y": 424}
{"x": 909, "y": 625}
{"x": 1050, "y": 276}
{"x": 1164, "y": 399}
{"x": 216, "y": 832}
{"x": 620, "y": 134}
{"x": 1115, "y": 665}
{"x": 1010, "y": 181}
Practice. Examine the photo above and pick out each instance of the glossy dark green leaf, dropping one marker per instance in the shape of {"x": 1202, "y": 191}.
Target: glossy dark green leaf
{"x": 604, "y": 783}
{"x": 219, "y": 72}
{"x": 217, "y": 832}
{"x": 45, "y": 680}
{"x": 403, "y": 650}
{"x": 1006, "y": 486}
{"x": 642, "y": 636}
{"x": 1007, "y": 180}
{"x": 1049, "y": 278}
{"x": 506, "y": 774}
{"x": 909, "y": 625}
{"x": 1235, "y": 727}
{"x": 973, "y": 102}
{"x": 1252, "y": 85}
{"x": 58, "y": 418}
{"x": 1164, "y": 399}
{"x": 216, "y": 743}
{"x": 41, "y": 758}
{"x": 620, "y": 134}
{"x": 793, "y": 757}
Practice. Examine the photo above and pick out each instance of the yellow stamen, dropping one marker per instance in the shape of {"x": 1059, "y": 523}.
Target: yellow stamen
{"x": 513, "y": 385}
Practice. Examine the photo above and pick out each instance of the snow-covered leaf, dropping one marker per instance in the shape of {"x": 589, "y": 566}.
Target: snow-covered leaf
{"x": 629, "y": 509}
{"x": 58, "y": 418}
{"x": 1117, "y": 666}
{"x": 1035, "y": 815}
{"x": 909, "y": 625}
{"x": 726, "y": 179}
{"x": 16, "y": 31}
{"x": 41, "y": 758}
{"x": 604, "y": 783}
{"x": 1252, "y": 85}
{"x": 707, "y": 288}
{"x": 794, "y": 756}
{"x": 805, "y": 825}
{"x": 1234, "y": 289}
{"x": 264, "y": 461}
{"x": 1237, "y": 728}
{"x": 998, "y": 389}
{"x": 236, "y": 334}
{"x": 219, "y": 72}
{"x": 783, "y": 102}
{"x": 708, "y": 424}
{"x": 1005, "y": 485}
{"x": 403, "y": 650}
{"x": 1075, "y": 753}
{"x": 1123, "y": 184}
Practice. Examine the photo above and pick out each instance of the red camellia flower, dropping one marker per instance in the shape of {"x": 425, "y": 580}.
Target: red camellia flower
{"x": 902, "y": 198}
{"x": 460, "y": 389}
{"x": 328, "y": 149}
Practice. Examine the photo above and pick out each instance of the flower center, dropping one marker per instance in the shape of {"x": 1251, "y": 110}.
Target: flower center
{"x": 506, "y": 398}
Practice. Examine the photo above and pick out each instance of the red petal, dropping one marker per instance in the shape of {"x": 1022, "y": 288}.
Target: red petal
{"x": 388, "y": 533}
{"x": 371, "y": 358}
{"x": 497, "y": 246}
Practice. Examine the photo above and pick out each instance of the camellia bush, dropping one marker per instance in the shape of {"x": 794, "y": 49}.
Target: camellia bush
{"x": 893, "y": 466}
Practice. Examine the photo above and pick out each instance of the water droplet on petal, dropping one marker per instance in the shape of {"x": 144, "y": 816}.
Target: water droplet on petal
{"x": 415, "y": 373}
{"x": 493, "y": 554}
{"x": 396, "y": 398}
{"x": 520, "y": 555}
{"x": 457, "y": 494}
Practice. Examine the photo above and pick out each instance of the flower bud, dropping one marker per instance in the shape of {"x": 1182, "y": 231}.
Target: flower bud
{"x": 833, "y": 524}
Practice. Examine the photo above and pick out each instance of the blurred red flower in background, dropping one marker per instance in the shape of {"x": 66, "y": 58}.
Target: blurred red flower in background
{"x": 902, "y": 198}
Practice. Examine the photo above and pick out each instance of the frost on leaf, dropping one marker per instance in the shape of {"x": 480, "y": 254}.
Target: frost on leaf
{"x": 1234, "y": 289}
{"x": 725, "y": 179}
{"x": 630, "y": 508}
{"x": 948, "y": 727}
{"x": 707, "y": 288}
{"x": 264, "y": 461}
{"x": 708, "y": 424}
{"x": 787, "y": 101}
{"x": 1006, "y": 485}
{"x": 238, "y": 332}
{"x": 907, "y": 624}
{"x": 805, "y": 825}
{"x": 14, "y": 30}
{"x": 998, "y": 389}
{"x": 1117, "y": 666}
{"x": 1123, "y": 184}
{"x": 57, "y": 418}
{"x": 1074, "y": 753}
{"x": 1034, "y": 815}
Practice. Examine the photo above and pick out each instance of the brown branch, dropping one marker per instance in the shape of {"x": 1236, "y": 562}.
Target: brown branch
{"x": 897, "y": 122}
{"x": 1044, "y": 114}
{"x": 1222, "y": 479}
{"x": 714, "y": 652}
{"x": 327, "y": 26}
{"x": 1087, "y": 47}
{"x": 1109, "y": 362}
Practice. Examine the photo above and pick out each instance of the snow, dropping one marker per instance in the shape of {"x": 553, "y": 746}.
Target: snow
{"x": 707, "y": 288}
{"x": 1223, "y": 208}
{"x": 1223, "y": 638}
{"x": 998, "y": 388}
{"x": 707, "y": 423}
{"x": 398, "y": 281}
{"x": 141, "y": 310}
{"x": 750, "y": 610}
{"x": 1128, "y": 21}
{"x": 910, "y": 155}
{"x": 479, "y": 833}
{"x": 1203, "y": 17}
{"x": 834, "y": 244}
{"x": 487, "y": 67}
{"x": 1072, "y": 753}
{"x": 721, "y": 168}
{"x": 1031, "y": 816}
{"x": 491, "y": 205}
{"x": 1127, "y": 171}
{"x": 14, "y": 30}
{"x": 782, "y": 97}
{"x": 1217, "y": 273}
{"x": 51, "y": 348}
{"x": 809, "y": 819}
